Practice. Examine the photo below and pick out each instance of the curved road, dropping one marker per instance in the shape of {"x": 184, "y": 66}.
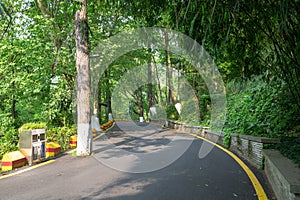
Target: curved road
{"x": 154, "y": 163}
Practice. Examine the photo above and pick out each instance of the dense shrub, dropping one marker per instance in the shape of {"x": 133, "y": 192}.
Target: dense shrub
{"x": 31, "y": 126}
{"x": 8, "y": 136}
{"x": 61, "y": 135}
{"x": 172, "y": 112}
{"x": 290, "y": 147}
{"x": 260, "y": 108}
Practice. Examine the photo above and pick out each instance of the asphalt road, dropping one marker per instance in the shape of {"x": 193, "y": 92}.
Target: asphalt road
{"x": 135, "y": 162}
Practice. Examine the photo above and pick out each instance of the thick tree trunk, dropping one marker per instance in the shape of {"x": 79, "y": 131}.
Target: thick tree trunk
{"x": 84, "y": 136}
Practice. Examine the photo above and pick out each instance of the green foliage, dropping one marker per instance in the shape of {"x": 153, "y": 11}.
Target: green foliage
{"x": 204, "y": 106}
{"x": 290, "y": 147}
{"x": 244, "y": 38}
{"x": 61, "y": 135}
{"x": 172, "y": 112}
{"x": 8, "y": 135}
{"x": 31, "y": 126}
{"x": 227, "y": 140}
{"x": 3, "y": 10}
{"x": 203, "y": 97}
{"x": 261, "y": 109}
{"x": 57, "y": 111}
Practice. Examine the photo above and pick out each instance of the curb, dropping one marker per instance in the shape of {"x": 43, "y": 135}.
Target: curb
{"x": 261, "y": 195}
{"x": 104, "y": 132}
{"x": 27, "y": 169}
{"x": 52, "y": 160}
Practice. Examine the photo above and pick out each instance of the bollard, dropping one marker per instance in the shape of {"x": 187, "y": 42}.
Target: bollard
{"x": 13, "y": 160}
{"x": 73, "y": 141}
{"x": 52, "y": 149}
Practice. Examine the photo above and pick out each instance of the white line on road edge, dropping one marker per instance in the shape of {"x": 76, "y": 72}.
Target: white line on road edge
{"x": 27, "y": 169}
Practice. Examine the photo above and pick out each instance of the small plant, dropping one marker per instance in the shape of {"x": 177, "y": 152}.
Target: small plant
{"x": 74, "y": 153}
{"x": 227, "y": 140}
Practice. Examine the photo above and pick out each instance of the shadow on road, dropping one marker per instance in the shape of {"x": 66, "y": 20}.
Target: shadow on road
{"x": 213, "y": 177}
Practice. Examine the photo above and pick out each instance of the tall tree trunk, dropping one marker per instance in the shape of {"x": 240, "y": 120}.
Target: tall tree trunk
{"x": 150, "y": 94}
{"x": 84, "y": 139}
{"x": 169, "y": 66}
{"x": 159, "y": 98}
{"x": 140, "y": 101}
{"x": 108, "y": 93}
{"x": 170, "y": 91}
{"x": 99, "y": 104}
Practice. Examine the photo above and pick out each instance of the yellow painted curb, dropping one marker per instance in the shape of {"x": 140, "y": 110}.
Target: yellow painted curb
{"x": 255, "y": 182}
{"x": 110, "y": 127}
{"x": 27, "y": 169}
{"x": 99, "y": 136}
{"x": 71, "y": 151}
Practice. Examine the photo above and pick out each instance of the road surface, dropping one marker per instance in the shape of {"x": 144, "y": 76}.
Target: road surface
{"x": 127, "y": 165}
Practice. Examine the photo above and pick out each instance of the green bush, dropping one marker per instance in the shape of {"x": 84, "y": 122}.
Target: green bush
{"x": 260, "y": 108}
{"x": 290, "y": 147}
{"x": 9, "y": 142}
{"x": 172, "y": 112}
{"x": 204, "y": 106}
{"x": 8, "y": 136}
{"x": 31, "y": 126}
{"x": 53, "y": 134}
{"x": 61, "y": 135}
{"x": 227, "y": 140}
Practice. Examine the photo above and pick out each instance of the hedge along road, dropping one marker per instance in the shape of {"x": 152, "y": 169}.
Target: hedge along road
{"x": 217, "y": 176}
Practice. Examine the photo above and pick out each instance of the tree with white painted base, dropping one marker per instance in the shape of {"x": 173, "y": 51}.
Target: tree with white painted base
{"x": 84, "y": 134}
